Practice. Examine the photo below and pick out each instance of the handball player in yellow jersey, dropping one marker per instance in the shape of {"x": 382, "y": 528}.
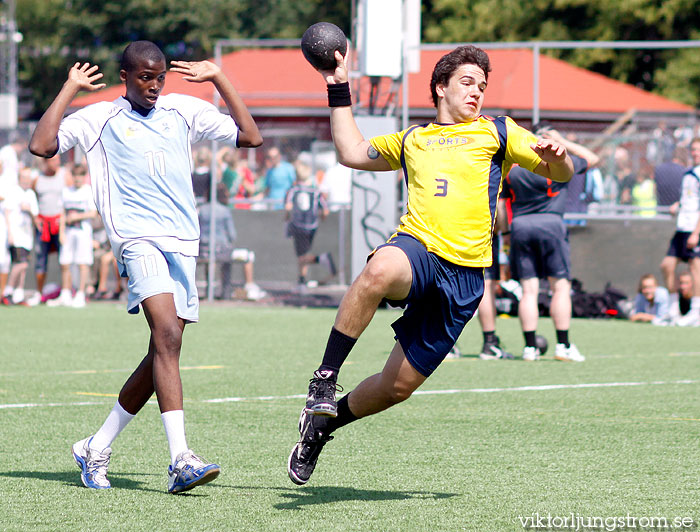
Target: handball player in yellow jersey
{"x": 433, "y": 265}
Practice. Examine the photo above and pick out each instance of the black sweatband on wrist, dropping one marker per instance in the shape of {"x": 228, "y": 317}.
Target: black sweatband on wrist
{"x": 339, "y": 95}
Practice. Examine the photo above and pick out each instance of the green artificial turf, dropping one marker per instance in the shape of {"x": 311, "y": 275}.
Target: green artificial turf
{"x": 616, "y": 436}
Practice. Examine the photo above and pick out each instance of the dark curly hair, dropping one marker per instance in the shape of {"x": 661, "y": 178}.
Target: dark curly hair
{"x": 448, "y": 63}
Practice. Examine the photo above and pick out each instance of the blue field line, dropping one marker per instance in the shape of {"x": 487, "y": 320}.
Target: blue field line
{"x": 530, "y": 388}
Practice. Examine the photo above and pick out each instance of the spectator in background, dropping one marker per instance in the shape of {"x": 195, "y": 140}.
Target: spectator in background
{"x": 680, "y": 310}
{"x": 625, "y": 175}
{"x": 660, "y": 148}
{"x": 201, "y": 175}
{"x": 225, "y": 253}
{"x": 306, "y": 207}
{"x": 76, "y": 238}
{"x": 337, "y": 186}
{"x": 4, "y": 248}
{"x": 685, "y": 243}
{"x": 239, "y": 179}
{"x": 643, "y": 193}
{"x": 105, "y": 262}
{"x": 668, "y": 177}
{"x": 10, "y": 163}
{"x": 651, "y": 303}
{"x": 279, "y": 177}
{"x": 48, "y": 186}
{"x": 20, "y": 211}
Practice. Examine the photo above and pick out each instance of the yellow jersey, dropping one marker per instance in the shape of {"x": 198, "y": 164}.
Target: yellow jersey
{"x": 453, "y": 174}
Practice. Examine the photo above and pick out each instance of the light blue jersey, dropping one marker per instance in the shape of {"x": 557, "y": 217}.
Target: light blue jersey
{"x": 141, "y": 166}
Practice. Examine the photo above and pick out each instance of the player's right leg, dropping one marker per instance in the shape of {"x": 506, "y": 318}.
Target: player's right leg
{"x": 528, "y": 312}
{"x": 388, "y": 274}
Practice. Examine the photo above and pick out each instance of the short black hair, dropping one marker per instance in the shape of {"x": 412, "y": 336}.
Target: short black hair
{"x": 138, "y": 51}
{"x": 448, "y": 63}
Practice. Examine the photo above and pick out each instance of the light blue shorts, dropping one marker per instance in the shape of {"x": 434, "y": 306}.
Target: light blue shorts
{"x": 152, "y": 272}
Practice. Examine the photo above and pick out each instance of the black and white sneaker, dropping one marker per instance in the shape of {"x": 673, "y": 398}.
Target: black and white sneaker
{"x": 321, "y": 399}
{"x": 304, "y": 455}
{"x": 494, "y": 351}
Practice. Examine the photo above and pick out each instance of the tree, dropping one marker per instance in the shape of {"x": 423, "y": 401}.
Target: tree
{"x": 605, "y": 20}
{"x": 59, "y": 32}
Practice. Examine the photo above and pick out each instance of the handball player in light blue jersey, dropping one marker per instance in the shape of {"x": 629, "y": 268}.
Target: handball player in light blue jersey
{"x": 138, "y": 149}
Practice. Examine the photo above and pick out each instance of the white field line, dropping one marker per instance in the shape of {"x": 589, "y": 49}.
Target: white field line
{"x": 534, "y": 388}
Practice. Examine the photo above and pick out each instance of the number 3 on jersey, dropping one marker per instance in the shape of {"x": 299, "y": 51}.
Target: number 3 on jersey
{"x": 156, "y": 163}
{"x": 441, "y": 188}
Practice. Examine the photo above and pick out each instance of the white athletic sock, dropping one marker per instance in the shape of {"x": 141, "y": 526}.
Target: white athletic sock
{"x": 174, "y": 423}
{"x": 117, "y": 419}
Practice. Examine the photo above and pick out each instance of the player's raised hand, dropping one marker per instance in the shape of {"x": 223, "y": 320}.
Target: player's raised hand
{"x": 84, "y": 77}
{"x": 549, "y": 150}
{"x": 195, "y": 71}
{"x": 340, "y": 74}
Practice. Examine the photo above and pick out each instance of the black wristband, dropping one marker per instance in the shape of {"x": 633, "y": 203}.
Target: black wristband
{"x": 339, "y": 95}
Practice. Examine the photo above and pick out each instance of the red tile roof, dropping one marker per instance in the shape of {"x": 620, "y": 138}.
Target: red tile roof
{"x": 281, "y": 78}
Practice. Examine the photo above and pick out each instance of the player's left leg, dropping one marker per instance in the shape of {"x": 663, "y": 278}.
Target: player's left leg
{"x": 388, "y": 274}
{"x": 560, "y": 310}
{"x": 186, "y": 470}
{"x": 397, "y": 381}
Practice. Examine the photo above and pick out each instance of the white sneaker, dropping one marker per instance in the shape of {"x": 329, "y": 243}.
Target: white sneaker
{"x": 254, "y": 292}
{"x": 530, "y": 354}
{"x": 78, "y": 300}
{"x": 18, "y": 295}
{"x": 454, "y": 352}
{"x": 189, "y": 472}
{"x": 568, "y": 354}
{"x": 34, "y": 300}
{"x": 93, "y": 464}
{"x": 63, "y": 300}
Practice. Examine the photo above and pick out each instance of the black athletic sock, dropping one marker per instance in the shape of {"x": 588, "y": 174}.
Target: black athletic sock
{"x": 489, "y": 337}
{"x": 563, "y": 337}
{"x": 337, "y": 350}
{"x": 344, "y": 417}
{"x": 530, "y": 340}
{"x": 302, "y": 279}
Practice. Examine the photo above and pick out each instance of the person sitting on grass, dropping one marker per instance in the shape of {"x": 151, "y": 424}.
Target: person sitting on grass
{"x": 651, "y": 303}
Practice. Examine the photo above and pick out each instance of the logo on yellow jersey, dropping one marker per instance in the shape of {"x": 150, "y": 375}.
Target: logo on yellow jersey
{"x": 440, "y": 142}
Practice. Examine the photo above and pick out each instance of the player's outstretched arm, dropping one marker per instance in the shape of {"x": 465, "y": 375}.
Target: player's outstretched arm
{"x": 353, "y": 149}
{"x": 80, "y": 78}
{"x": 556, "y": 163}
{"x": 200, "y": 71}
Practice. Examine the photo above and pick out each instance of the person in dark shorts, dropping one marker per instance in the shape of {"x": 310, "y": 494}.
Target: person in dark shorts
{"x": 305, "y": 207}
{"x": 434, "y": 263}
{"x": 539, "y": 249}
{"x": 685, "y": 243}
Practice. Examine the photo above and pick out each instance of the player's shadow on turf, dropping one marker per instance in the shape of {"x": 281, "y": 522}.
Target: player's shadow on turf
{"x": 299, "y": 498}
{"x": 72, "y": 478}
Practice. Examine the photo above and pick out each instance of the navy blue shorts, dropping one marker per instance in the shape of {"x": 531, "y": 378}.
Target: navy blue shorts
{"x": 493, "y": 272}
{"x": 442, "y": 299}
{"x": 678, "y": 248}
{"x": 539, "y": 247}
